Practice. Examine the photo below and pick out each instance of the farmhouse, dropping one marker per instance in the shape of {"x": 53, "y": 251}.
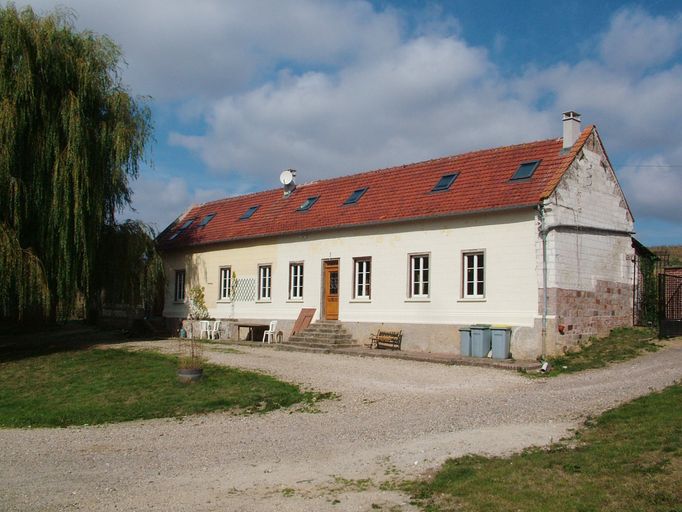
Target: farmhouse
{"x": 536, "y": 236}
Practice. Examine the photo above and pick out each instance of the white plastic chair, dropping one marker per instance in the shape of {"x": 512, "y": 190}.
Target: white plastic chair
{"x": 270, "y": 332}
{"x": 205, "y": 328}
{"x": 215, "y": 332}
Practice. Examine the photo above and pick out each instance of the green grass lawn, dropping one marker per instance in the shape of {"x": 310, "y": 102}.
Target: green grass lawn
{"x": 629, "y": 459}
{"x": 91, "y": 386}
{"x": 620, "y": 345}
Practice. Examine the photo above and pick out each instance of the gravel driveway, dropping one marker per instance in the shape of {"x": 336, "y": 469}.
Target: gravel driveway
{"x": 393, "y": 419}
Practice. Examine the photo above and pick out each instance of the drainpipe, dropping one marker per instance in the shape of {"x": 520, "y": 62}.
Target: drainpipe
{"x": 545, "y": 292}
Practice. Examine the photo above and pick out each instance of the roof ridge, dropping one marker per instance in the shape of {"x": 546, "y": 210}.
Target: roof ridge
{"x": 430, "y": 160}
{"x": 240, "y": 196}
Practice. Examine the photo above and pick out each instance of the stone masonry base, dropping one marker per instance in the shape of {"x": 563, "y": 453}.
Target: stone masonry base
{"x": 579, "y": 314}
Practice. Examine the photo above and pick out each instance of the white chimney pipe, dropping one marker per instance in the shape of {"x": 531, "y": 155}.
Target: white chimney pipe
{"x": 571, "y": 121}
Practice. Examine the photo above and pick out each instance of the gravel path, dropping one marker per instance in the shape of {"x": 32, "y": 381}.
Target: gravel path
{"x": 393, "y": 419}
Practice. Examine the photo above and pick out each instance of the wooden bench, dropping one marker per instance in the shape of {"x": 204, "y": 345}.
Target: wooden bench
{"x": 387, "y": 339}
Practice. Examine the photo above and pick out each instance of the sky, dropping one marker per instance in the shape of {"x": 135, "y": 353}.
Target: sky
{"x": 243, "y": 89}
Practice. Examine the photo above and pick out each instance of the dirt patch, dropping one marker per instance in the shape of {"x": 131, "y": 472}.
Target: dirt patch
{"x": 392, "y": 419}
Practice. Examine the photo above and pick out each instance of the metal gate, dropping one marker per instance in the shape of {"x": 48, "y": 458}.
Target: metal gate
{"x": 670, "y": 305}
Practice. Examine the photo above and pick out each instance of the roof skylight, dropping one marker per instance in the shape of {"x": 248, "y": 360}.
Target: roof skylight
{"x": 355, "y": 196}
{"x": 308, "y": 204}
{"x": 525, "y": 170}
{"x": 181, "y": 229}
{"x": 445, "y": 182}
{"x": 248, "y": 213}
{"x": 206, "y": 220}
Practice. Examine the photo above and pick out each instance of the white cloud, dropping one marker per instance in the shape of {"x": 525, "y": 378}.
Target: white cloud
{"x": 638, "y": 114}
{"x": 158, "y": 201}
{"x": 637, "y": 41}
{"x": 428, "y": 96}
{"x": 653, "y": 187}
{"x": 177, "y": 49}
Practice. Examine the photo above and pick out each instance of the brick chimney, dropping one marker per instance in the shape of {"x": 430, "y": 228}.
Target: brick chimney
{"x": 571, "y": 122}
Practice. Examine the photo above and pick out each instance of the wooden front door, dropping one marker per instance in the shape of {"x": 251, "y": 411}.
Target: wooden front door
{"x": 331, "y": 290}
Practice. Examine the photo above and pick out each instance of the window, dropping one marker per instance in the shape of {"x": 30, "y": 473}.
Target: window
{"x": 308, "y": 204}
{"x": 225, "y": 283}
{"x": 445, "y": 182}
{"x": 181, "y": 229}
{"x": 355, "y": 196}
{"x": 248, "y": 213}
{"x": 264, "y": 282}
{"x": 474, "y": 275}
{"x": 295, "y": 281}
{"x": 525, "y": 170}
{"x": 419, "y": 275}
{"x": 206, "y": 220}
{"x": 362, "y": 278}
{"x": 179, "y": 286}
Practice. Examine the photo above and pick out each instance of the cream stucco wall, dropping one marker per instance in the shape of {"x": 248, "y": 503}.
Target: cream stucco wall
{"x": 508, "y": 240}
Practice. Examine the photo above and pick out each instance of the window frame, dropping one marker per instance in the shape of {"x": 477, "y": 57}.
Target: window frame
{"x": 476, "y": 253}
{"x": 261, "y": 296}
{"x": 296, "y": 288}
{"x": 207, "y": 218}
{"x": 533, "y": 167}
{"x": 179, "y": 294}
{"x": 184, "y": 227}
{"x": 356, "y": 195}
{"x": 251, "y": 210}
{"x": 422, "y": 283}
{"x": 308, "y": 204}
{"x": 445, "y": 182}
{"x": 367, "y": 281}
{"x": 225, "y": 286}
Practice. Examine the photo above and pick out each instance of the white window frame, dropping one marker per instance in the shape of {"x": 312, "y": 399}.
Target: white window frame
{"x": 179, "y": 292}
{"x": 265, "y": 283}
{"x": 479, "y": 285}
{"x": 225, "y": 283}
{"x": 362, "y": 278}
{"x": 416, "y": 271}
{"x": 296, "y": 281}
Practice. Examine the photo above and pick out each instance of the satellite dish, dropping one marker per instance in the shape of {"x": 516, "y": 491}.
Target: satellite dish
{"x": 287, "y": 176}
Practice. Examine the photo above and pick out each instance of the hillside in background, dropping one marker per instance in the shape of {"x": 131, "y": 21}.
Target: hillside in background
{"x": 670, "y": 254}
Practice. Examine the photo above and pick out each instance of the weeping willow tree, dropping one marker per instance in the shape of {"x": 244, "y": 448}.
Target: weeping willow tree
{"x": 71, "y": 139}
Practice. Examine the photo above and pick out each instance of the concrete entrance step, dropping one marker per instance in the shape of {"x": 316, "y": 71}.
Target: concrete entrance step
{"x": 323, "y": 334}
{"x": 301, "y": 348}
{"x": 312, "y": 344}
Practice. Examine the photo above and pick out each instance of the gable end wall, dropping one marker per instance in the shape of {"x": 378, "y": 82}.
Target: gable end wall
{"x": 589, "y": 252}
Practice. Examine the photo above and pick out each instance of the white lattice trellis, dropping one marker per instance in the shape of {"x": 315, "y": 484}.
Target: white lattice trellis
{"x": 245, "y": 289}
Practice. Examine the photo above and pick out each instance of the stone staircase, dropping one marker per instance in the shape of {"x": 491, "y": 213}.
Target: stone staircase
{"x": 320, "y": 336}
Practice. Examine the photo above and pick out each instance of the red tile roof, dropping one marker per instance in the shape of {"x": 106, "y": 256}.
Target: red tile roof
{"x": 395, "y": 194}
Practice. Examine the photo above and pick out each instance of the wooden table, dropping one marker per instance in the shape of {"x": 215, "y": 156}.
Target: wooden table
{"x": 254, "y": 328}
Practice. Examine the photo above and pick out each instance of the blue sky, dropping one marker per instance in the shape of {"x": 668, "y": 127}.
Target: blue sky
{"x": 241, "y": 90}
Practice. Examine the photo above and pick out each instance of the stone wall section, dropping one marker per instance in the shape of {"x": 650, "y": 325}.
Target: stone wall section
{"x": 582, "y": 314}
